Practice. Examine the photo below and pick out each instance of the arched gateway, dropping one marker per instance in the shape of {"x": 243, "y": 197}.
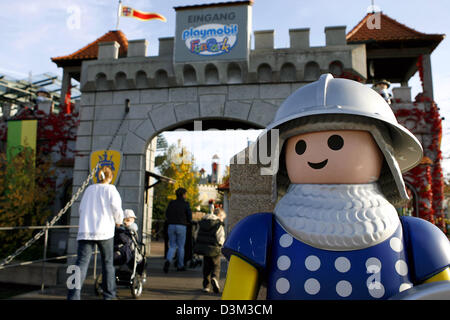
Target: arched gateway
{"x": 208, "y": 73}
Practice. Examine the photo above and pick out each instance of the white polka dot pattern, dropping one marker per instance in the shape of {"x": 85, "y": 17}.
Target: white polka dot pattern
{"x": 283, "y": 263}
{"x": 373, "y": 265}
{"x": 282, "y": 285}
{"x": 405, "y": 286}
{"x": 376, "y": 290}
{"x": 312, "y": 263}
{"x": 286, "y": 240}
{"x": 401, "y": 267}
{"x": 307, "y": 273}
{"x": 312, "y": 286}
{"x": 344, "y": 288}
{"x": 396, "y": 244}
{"x": 342, "y": 264}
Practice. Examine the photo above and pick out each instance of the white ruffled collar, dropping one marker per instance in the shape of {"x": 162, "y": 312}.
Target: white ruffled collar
{"x": 337, "y": 217}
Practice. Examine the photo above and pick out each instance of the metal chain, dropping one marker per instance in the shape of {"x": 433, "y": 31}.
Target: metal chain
{"x": 80, "y": 190}
{"x": 38, "y": 235}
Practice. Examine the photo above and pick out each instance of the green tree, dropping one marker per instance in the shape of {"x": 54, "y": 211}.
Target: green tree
{"x": 161, "y": 146}
{"x": 26, "y": 193}
{"x": 178, "y": 164}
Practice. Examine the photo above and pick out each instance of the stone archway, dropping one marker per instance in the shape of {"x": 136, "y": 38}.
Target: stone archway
{"x": 153, "y": 111}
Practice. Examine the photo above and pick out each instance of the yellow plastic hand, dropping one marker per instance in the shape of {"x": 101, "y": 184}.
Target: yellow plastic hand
{"x": 444, "y": 275}
{"x": 242, "y": 281}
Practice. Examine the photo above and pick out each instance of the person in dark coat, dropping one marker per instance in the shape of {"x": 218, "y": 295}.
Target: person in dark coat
{"x": 178, "y": 217}
{"x": 210, "y": 238}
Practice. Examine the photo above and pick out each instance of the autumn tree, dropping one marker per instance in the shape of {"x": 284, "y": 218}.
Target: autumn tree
{"x": 26, "y": 193}
{"x": 178, "y": 164}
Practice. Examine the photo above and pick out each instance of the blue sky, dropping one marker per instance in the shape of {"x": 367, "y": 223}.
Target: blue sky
{"x": 33, "y": 31}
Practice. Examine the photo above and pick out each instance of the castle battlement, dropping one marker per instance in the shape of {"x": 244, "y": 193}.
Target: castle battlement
{"x": 264, "y": 64}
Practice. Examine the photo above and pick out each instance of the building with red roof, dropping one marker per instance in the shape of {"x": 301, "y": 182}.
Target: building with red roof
{"x": 393, "y": 49}
{"x": 71, "y": 63}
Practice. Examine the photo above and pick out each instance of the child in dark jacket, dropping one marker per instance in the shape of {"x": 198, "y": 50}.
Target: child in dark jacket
{"x": 123, "y": 242}
{"x": 210, "y": 238}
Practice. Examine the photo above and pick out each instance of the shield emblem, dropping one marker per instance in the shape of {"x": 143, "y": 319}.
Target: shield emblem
{"x": 110, "y": 158}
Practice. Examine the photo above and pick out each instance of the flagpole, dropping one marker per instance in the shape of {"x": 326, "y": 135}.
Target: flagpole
{"x": 118, "y": 14}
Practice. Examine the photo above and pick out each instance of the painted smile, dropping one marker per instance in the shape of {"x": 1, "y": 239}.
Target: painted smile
{"x": 318, "y": 165}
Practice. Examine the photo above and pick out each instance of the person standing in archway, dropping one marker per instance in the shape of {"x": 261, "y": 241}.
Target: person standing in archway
{"x": 100, "y": 211}
{"x": 178, "y": 217}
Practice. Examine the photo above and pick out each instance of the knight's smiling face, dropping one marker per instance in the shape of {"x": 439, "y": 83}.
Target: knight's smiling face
{"x": 342, "y": 156}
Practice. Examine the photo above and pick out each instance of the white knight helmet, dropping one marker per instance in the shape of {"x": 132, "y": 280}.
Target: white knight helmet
{"x": 341, "y": 104}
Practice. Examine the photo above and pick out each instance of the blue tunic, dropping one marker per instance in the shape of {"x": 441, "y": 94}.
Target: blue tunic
{"x": 292, "y": 269}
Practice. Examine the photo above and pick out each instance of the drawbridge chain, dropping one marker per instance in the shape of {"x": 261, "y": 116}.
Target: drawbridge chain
{"x": 80, "y": 190}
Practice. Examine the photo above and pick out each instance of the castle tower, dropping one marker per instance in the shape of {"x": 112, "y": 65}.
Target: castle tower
{"x": 216, "y": 177}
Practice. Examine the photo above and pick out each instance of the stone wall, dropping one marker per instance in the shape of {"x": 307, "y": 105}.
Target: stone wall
{"x": 300, "y": 62}
{"x": 250, "y": 191}
{"x": 153, "y": 111}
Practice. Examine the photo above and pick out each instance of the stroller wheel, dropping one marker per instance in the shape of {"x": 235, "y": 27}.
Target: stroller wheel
{"x": 144, "y": 277}
{"x": 136, "y": 287}
{"x": 98, "y": 285}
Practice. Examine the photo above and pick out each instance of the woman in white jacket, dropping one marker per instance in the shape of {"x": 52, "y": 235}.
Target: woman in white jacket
{"x": 100, "y": 210}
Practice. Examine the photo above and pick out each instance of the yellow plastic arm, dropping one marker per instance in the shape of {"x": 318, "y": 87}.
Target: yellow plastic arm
{"x": 242, "y": 281}
{"x": 444, "y": 275}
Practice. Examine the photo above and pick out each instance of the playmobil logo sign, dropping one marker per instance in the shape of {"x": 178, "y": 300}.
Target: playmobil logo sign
{"x": 210, "y": 39}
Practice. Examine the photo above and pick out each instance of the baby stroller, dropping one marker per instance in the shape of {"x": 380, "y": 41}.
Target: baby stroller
{"x": 196, "y": 260}
{"x": 129, "y": 262}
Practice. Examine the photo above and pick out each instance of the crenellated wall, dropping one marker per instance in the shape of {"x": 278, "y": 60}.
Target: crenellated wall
{"x": 298, "y": 63}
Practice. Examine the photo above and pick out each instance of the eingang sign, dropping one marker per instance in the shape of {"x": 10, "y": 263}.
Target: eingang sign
{"x": 211, "y": 39}
{"x": 218, "y": 32}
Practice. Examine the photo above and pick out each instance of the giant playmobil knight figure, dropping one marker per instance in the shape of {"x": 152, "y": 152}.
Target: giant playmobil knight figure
{"x": 334, "y": 233}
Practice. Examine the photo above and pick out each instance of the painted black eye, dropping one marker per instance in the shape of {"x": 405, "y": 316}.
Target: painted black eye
{"x": 300, "y": 147}
{"x": 335, "y": 142}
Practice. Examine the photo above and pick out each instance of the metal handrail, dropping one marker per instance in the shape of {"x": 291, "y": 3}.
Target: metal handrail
{"x": 26, "y": 263}
{"x": 36, "y": 227}
{"x": 45, "y": 259}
